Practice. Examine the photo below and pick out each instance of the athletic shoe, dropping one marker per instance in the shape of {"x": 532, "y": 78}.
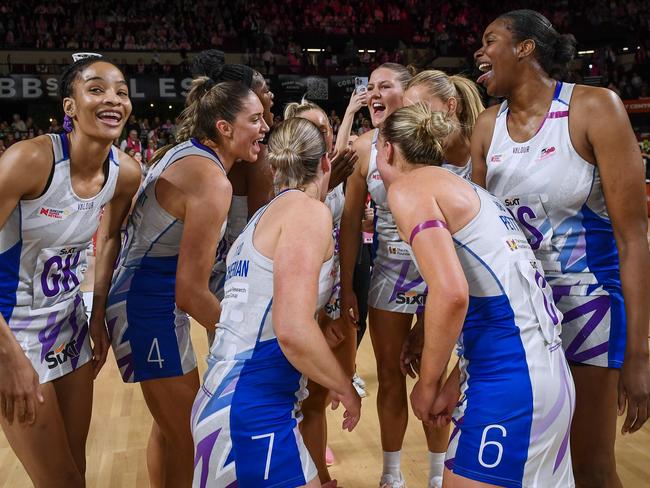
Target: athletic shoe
{"x": 389, "y": 481}
{"x": 329, "y": 457}
{"x": 359, "y": 385}
{"x": 436, "y": 482}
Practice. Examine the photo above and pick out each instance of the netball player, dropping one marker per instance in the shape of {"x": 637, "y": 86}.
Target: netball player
{"x": 459, "y": 98}
{"x": 397, "y": 291}
{"x": 564, "y": 160}
{"x": 165, "y": 265}
{"x": 488, "y": 293}
{"x": 54, "y": 188}
{"x": 340, "y": 337}
{"x": 245, "y": 418}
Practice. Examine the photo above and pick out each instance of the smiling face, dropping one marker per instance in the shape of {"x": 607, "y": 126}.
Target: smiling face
{"x": 248, "y": 129}
{"x": 497, "y": 59}
{"x": 99, "y": 103}
{"x": 385, "y": 94}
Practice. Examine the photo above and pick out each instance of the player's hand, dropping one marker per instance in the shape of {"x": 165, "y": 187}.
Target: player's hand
{"x": 342, "y": 163}
{"x": 100, "y": 342}
{"x": 350, "y": 308}
{"x": 336, "y": 331}
{"x": 20, "y": 389}
{"x": 409, "y": 359}
{"x": 357, "y": 101}
{"x": 634, "y": 392}
{"x": 351, "y": 402}
{"x": 422, "y": 398}
{"x": 445, "y": 403}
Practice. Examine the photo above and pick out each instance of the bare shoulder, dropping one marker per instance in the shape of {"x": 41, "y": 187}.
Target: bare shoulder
{"x": 27, "y": 165}
{"x": 587, "y": 99}
{"x": 129, "y": 168}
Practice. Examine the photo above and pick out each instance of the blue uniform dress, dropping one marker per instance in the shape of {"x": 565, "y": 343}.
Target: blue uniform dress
{"x": 512, "y": 422}
{"x": 149, "y": 334}
{"x": 245, "y": 417}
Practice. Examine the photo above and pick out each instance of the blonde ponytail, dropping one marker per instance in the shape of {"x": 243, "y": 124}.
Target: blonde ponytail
{"x": 295, "y": 150}
{"x": 419, "y": 133}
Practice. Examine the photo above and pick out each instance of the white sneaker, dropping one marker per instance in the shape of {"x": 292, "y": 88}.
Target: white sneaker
{"x": 436, "y": 482}
{"x": 359, "y": 386}
{"x": 389, "y": 481}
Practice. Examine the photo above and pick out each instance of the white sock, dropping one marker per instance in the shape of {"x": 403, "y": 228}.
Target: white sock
{"x": 392, "y": 463}
{"x": 436, "y": 464}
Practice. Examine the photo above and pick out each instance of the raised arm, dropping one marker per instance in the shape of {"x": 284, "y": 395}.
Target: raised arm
{"x": 302, "y": 247}
{"x": 619, "y": 161}
{"x": 108, "y": 247}
{"x": 357, "y": 101}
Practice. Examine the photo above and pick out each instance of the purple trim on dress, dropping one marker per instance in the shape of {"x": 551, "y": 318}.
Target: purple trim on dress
{"x": 203, "y": 451}
{"x": 427, "y": 224}
{"x": 598, "y": 308}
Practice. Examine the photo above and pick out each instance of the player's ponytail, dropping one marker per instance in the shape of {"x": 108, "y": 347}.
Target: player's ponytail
{"x": 295, "y": 150}
{"x": 419, "y": 133}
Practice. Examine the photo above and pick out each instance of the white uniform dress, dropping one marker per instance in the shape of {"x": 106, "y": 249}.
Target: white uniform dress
{"x": 237, "y": 219}
{"x": 42, "y": 257}
{"x": 557, "y": 197}
{"x": 149, "y": 334}
{"x": 512, "y": 422}
{"x": 395, "y": 283}
{"x": 335, "y": 200}
{"x": 245, "y": 417}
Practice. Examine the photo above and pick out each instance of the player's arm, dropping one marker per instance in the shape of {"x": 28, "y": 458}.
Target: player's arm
{"x": 24, "y": 171}
{"x": 356, "y": 191}
{"x": 207, "y": 194}
{"x": 357, "y": 101}
{"x": 621, "y": 168}
{"x": 259, "y": 183}
{"x": 303, "y": 245}
{"x": 480, "y": 144}
{"x": 448, "y": 297}
{"x": 108, "y": 246}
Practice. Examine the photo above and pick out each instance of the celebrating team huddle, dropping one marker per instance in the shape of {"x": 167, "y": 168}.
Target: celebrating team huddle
{"x": 514, "y": 236}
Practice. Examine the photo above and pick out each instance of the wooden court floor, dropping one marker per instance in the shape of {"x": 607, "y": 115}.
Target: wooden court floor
{"x": 121, "y": 423}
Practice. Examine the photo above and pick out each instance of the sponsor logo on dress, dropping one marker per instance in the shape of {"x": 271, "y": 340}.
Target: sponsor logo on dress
{"x": 376, "y": 176}
{"x": 62, "y": 354}
{"x": 398, "y": 251}
{"x": 521, "y": 150}
{"x": 54, "y": 213}
{"x": 497, "y": 158}
{"x": 547, "y": 152}
{"x": 409, "y": 298}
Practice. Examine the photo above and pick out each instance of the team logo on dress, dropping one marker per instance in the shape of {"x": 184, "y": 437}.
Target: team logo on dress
{"x": 61, "y": 354}
{"x": 497, "y": 158}
{"x": 547, "y": 152}
{"x": 54, "y": 213}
